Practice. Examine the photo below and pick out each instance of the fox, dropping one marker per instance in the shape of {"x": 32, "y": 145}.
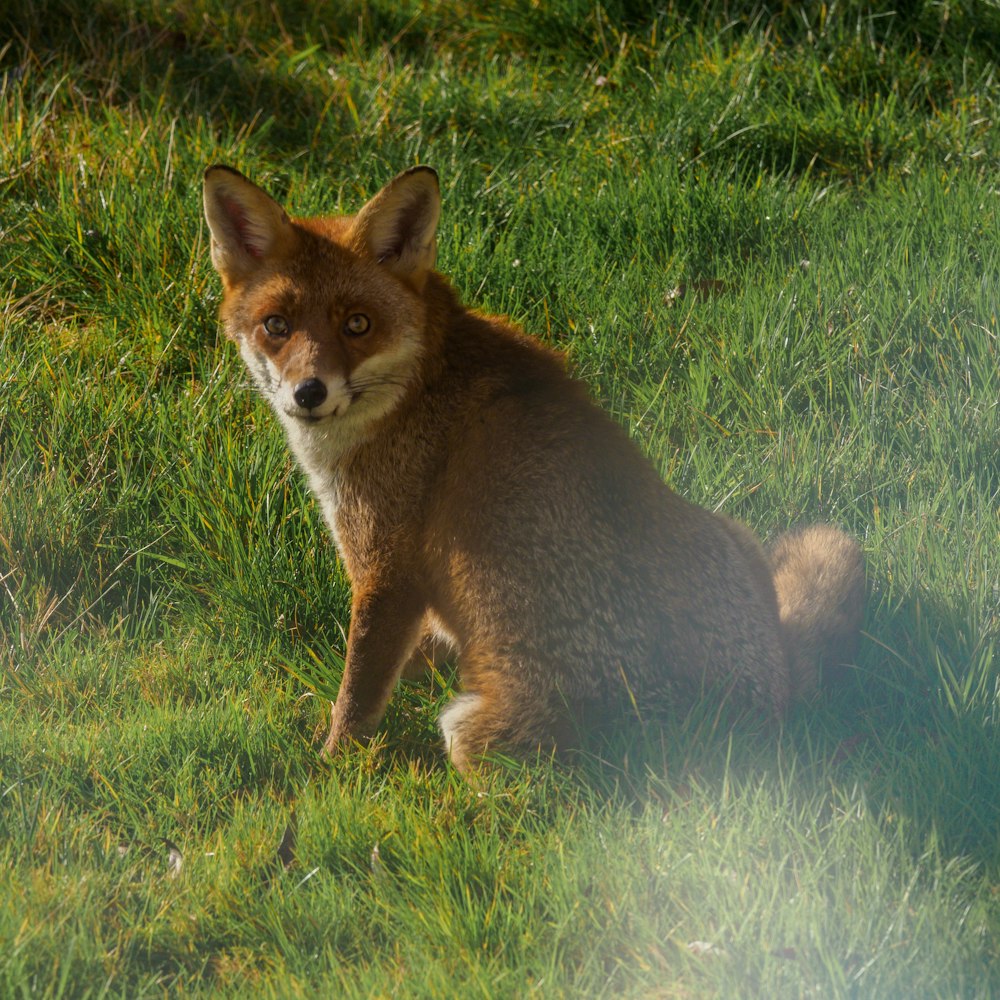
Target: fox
{"x": 487, "y": 511}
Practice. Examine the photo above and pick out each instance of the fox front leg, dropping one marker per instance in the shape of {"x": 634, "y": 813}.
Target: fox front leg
{"x": 385, "y": 628}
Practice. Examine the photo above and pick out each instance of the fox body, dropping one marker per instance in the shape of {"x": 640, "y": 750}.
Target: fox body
{"x": 482, "y": 504}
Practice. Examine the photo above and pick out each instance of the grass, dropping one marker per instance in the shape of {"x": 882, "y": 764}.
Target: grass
{"x": 767, "y": 237}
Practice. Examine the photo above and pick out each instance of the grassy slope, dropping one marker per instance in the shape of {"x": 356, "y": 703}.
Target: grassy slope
{"x": 769, "y": 243}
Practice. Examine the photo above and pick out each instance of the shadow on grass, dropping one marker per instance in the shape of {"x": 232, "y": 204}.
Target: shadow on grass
{"x": 212, "y": 61}
{"x": 921, "y": 733}
{"x": 924, "y": 748}
{"x": 227, "y": 65}
{"x": 121, "y": 53}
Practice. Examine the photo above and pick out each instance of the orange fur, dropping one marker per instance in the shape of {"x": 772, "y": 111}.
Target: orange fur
{"x": 480, "y": 499}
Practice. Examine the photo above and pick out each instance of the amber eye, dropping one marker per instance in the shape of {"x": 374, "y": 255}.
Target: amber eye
{"x": 356, "y": 325}
{"x": 276, "y": 326}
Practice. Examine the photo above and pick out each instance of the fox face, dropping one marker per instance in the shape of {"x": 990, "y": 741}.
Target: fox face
{"x": 327, "y": 312}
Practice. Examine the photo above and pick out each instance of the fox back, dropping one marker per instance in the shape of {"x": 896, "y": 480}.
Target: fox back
{"x": 486, "y": 509}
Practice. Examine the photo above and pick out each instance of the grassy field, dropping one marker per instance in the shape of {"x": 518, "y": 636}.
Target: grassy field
{"x": 768, "y": 237}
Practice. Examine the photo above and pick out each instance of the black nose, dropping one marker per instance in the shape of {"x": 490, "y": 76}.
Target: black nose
{"x": 310, "y": 393}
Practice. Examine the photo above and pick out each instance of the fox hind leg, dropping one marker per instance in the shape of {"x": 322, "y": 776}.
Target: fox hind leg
{"x": 479, "y": 722}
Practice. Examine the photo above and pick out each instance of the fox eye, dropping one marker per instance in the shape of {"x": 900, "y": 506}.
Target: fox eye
{"x": 356, "y": 325}
{"x": 276, "y": 326}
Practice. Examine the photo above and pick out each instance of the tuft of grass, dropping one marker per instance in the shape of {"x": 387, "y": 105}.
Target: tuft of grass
{"x": 766, "y": 237}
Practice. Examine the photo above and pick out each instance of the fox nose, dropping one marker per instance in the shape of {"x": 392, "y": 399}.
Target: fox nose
{"x": 309, "y": 393}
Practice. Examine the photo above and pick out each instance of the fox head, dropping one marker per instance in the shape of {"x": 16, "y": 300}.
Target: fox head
{"x": 329, "y": 313}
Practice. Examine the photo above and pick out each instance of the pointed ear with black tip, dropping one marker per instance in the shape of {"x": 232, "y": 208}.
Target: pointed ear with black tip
{"x": 247, "y": 225}
{"x": 398, "y": 226}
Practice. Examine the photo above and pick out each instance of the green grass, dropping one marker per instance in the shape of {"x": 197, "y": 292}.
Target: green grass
{"x": 768, "y": 238}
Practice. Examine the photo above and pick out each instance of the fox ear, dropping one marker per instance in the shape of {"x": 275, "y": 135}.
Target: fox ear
{"x": 397, "y": 227}
{"x": 247, "y": 225}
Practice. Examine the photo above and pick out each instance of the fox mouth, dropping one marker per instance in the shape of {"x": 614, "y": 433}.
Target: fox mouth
{"x": 338, "y": 411}
{"x": 311, "y": 418}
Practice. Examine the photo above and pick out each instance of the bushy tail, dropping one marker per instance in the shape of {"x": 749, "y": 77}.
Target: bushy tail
{"x": 819, "y": 577}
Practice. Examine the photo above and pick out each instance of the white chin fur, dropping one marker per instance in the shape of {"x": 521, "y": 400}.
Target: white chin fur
{"x": 319, "y": 445}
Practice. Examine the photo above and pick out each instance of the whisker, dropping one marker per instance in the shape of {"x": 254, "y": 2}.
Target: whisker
{"x": 375, "y": 381}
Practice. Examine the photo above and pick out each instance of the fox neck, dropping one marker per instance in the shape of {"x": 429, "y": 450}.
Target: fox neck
{"x": 324, "y": 452}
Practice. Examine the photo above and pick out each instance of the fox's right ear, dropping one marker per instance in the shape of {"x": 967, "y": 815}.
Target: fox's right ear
{"x": 247, "y": 225}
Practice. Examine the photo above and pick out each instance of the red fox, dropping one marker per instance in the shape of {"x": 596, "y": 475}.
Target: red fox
{"x": 483, "y": 504}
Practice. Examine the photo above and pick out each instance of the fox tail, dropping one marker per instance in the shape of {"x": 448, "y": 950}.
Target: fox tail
{"x": 819, "y": 579}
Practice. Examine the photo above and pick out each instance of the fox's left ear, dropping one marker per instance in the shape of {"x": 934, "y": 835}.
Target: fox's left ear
{"x": 398, "y": 226}
{"x": 247, "y": 225}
